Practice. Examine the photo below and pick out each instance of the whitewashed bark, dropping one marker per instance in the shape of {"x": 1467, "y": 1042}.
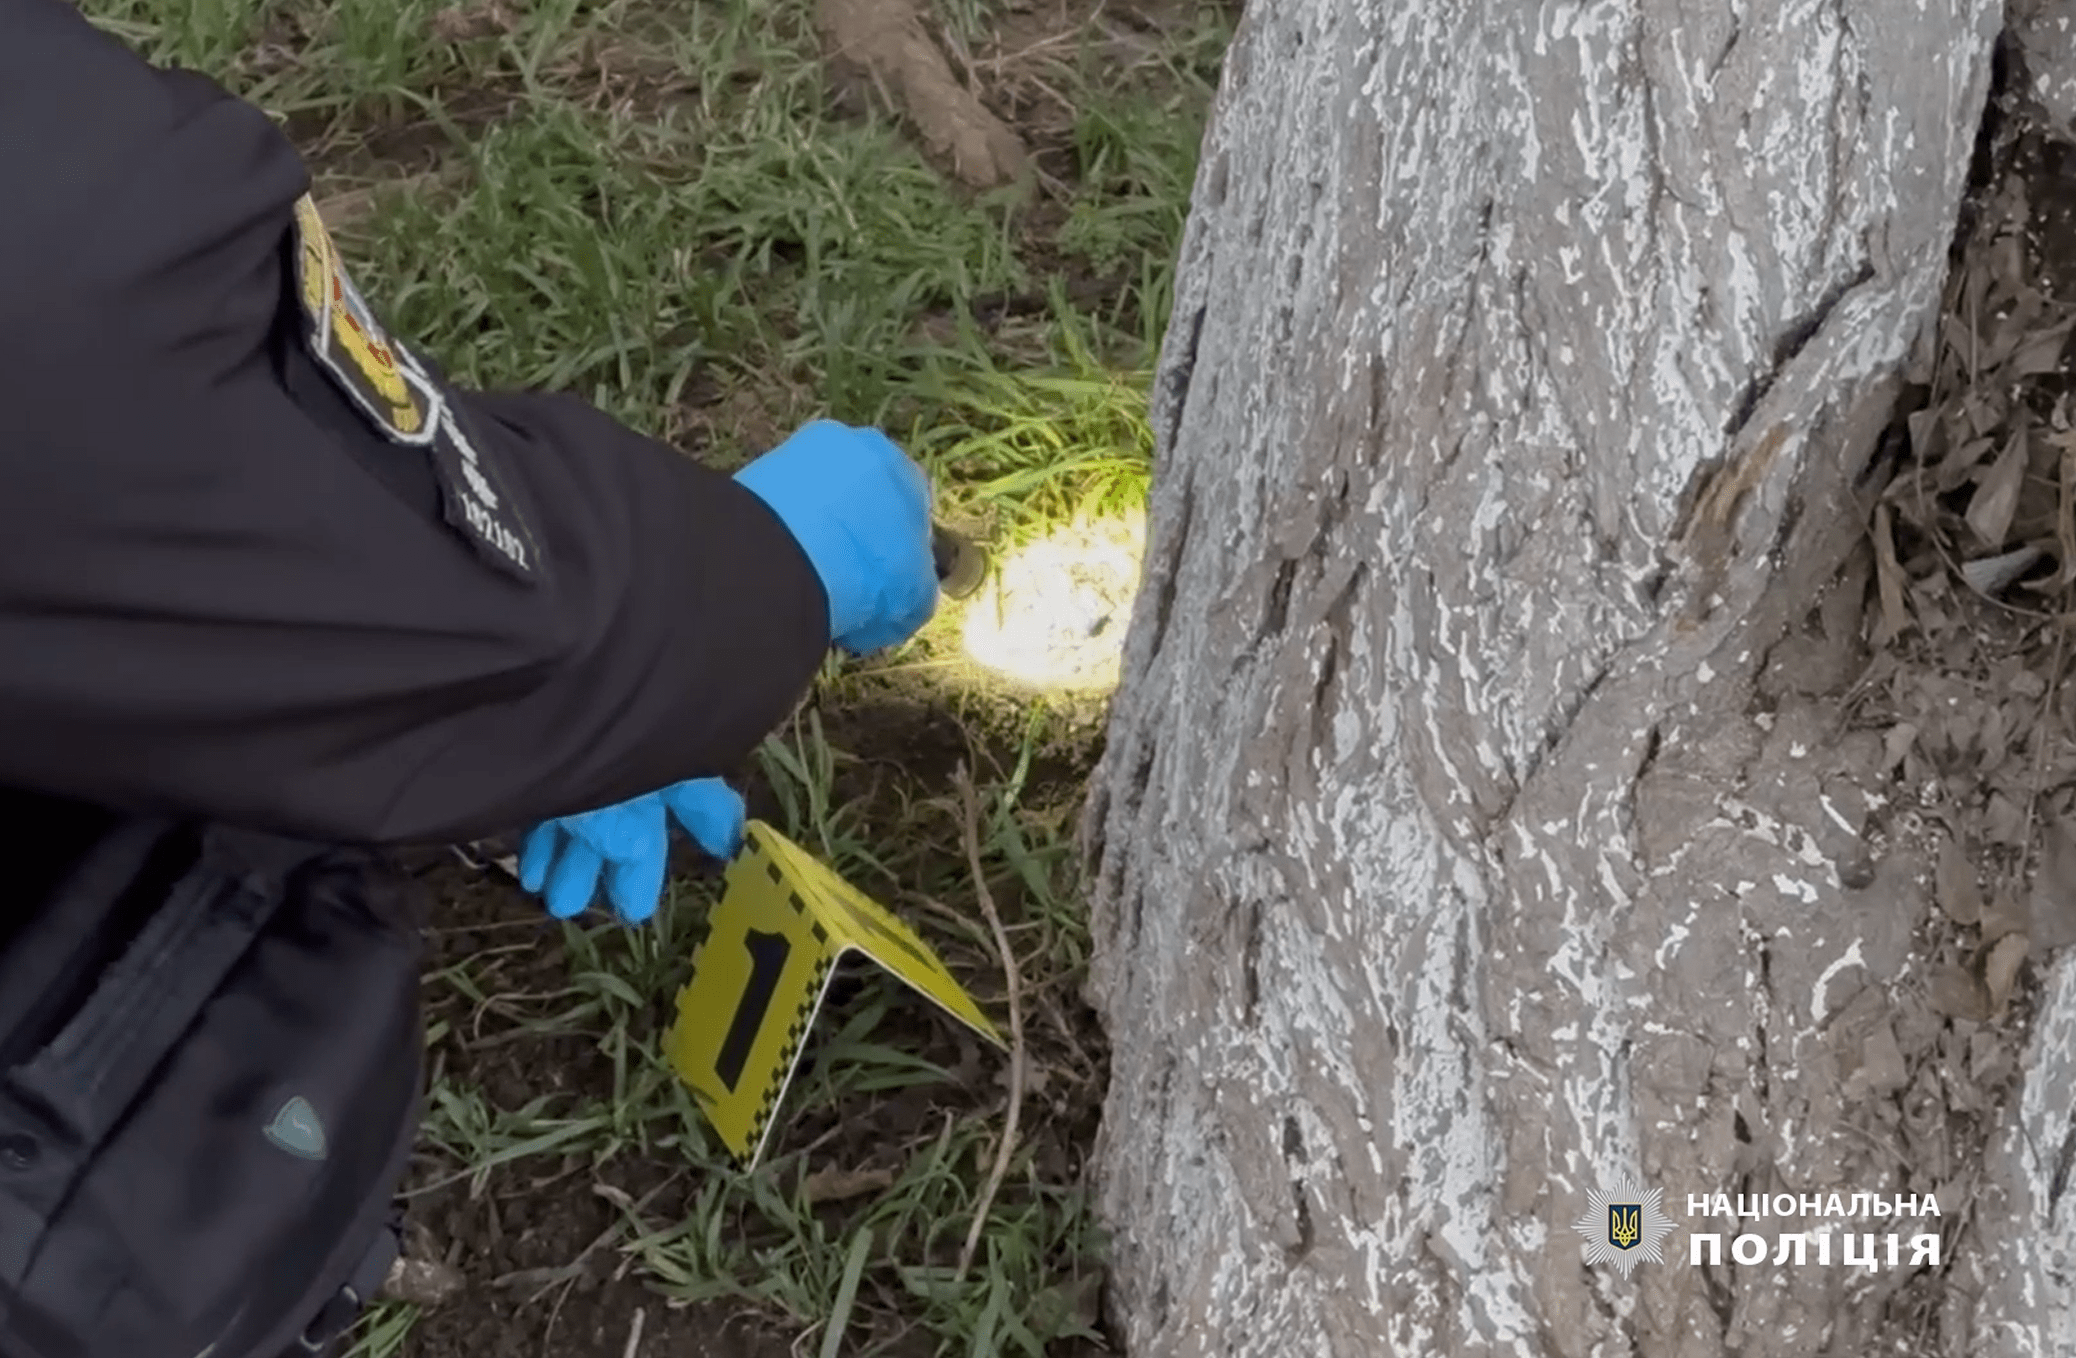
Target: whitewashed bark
{"x": 1520, "y": 353}
{"x": 2026, "y": 1274}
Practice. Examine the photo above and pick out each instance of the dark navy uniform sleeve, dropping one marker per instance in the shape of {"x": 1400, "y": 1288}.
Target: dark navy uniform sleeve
{"x": 226, "y": 591}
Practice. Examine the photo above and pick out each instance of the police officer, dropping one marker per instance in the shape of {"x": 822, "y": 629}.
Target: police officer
{"x": 260, "y": 562}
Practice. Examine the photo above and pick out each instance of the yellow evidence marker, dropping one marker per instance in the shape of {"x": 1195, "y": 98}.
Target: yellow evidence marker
{"x": 782, "y": 924}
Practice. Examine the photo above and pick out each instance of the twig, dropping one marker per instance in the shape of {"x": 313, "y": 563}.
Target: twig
{"x": 951, "y": 917}
{"x": 574, "y": 1269}
{"x": 554, "y": 1314}
{"x": 993, "y": 65}
{"x": 634, "y": 1334}
{"x": 970, "y": 801}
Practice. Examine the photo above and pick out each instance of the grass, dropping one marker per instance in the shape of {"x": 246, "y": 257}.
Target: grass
{"x": 652, "y": 204}
{"x": 384, "y": 1329}
{"x": 1025, "y": 449}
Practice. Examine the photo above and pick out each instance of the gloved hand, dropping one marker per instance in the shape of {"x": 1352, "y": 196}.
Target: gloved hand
{"x": 630, "y": 844}
{"x": 860, "y": 509}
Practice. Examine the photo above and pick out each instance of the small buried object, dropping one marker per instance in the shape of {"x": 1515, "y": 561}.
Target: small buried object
{"x": 772, "y": 944}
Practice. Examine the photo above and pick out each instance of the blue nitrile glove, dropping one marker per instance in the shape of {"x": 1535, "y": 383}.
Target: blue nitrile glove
{"x": 630, "y": 844}
{"x": 860, "y": 509}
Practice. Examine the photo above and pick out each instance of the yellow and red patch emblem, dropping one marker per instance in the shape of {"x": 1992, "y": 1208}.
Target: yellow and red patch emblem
{"x": 346, "y": 338}
{"x": 403, "y": 400}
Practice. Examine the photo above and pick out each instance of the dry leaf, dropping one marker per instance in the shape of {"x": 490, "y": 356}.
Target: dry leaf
{"x": 1895, "y": 617}
{"x": 1926, "y": 1118}
{"x": 1996, "y": 494}
{"x": 1953, "y": 883}
{"x": 1927, "y": 435}
{"x": 1914, "y": 499}
{"x": 1957, "y": 993}
{"x": 1925, "y": 593}
{"x": 841, "y": 1185}
{"x": 1996, "y": 737}
{"x": 2005, "y": 820}
{"x": 1991, "y": 1060}
{"x": 1962, "y": 460}
{"x": 2000, "y": 969}
{"x": 1962, "y": 339}
{"x": 2042, "y": 353}
{"x": 1963, "y": 731}
{"x": 1985, "y": 411}
{"x": 1881, "y": 1060}
{"x": 1993, "y": 574}
{"x": 2001, "y": 916}
{"x": 2052, "y": 908}
{"x": 1962, "y": 1096}
{"x": 2008, "y": 332}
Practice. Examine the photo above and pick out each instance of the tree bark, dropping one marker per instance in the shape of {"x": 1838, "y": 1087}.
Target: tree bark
{"x": 1471, "y": 828}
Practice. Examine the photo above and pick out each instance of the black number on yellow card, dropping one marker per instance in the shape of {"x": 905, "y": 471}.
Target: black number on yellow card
{"x": 768, "y": 954}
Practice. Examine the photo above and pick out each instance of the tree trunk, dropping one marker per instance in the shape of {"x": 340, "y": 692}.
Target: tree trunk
{"x": 1471, "y": 831}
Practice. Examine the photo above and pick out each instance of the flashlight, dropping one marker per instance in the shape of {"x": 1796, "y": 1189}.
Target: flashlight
{"x": 960, "y": 562}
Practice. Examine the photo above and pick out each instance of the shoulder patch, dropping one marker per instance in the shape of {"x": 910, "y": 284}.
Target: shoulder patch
{"x": 404, "y": 402}
{"x": 346, "y": 339}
